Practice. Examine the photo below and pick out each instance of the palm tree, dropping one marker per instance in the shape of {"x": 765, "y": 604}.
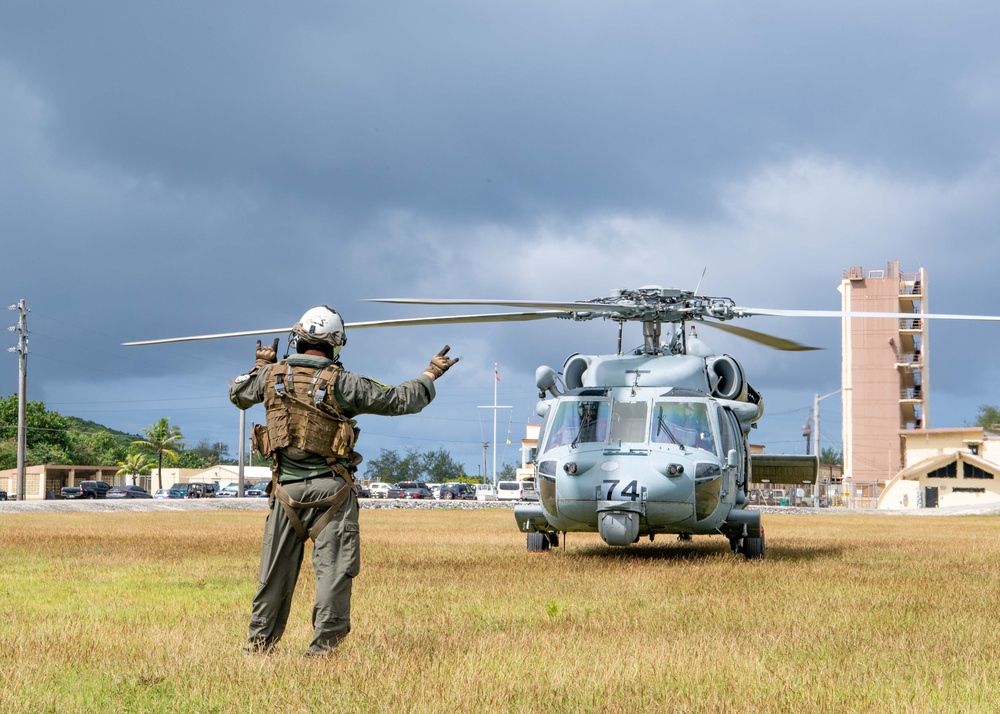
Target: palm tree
{"x": 133, "y": 465}
{"x": 159, "y": 437}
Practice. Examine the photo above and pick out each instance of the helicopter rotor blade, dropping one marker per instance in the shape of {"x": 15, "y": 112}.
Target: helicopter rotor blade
{"x": 221, "y": 335}
{"x": 747, "y": 311}
{"x": 406, "y": 322}
{"x": 462, "y": 319}
{"x": 778, "y": 343}
{"x": 549, "y": 305}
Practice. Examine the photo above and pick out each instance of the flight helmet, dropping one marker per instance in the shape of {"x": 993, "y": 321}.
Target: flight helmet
{"x": 321, "y": 325}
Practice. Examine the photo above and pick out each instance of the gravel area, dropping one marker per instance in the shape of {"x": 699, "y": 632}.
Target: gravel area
{"x": 260, "y": 504}
{"x": 220, "y": 504}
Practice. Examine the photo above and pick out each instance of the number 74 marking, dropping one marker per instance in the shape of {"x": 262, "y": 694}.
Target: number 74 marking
{"x": 630, "y": 491}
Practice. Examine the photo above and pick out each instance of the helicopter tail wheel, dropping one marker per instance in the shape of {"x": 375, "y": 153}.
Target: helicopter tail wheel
{"x": 538, "y": 542}
{"x": 753, "y": 548}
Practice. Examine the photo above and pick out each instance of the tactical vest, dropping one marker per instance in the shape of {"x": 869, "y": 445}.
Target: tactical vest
{"x": 299, "y": 416}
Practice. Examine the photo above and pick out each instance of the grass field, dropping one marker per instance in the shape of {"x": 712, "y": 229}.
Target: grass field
{"x": 146, "y": 612}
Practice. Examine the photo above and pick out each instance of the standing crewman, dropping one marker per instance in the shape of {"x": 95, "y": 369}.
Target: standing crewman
{"x": 310, "y": 403}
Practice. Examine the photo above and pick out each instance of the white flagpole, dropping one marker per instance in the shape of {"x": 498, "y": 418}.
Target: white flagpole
{"x": 496, "y": 378}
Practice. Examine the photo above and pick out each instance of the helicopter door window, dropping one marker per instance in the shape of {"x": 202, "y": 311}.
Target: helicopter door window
{"x": 578, "y": 422}
{"x": 684, "y": 423}
{"x": 628, "y": 422}
{"x": 730, "y": 440}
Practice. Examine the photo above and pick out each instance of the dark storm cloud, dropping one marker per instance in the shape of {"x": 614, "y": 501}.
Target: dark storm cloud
{"x": 496, "y": 110}
{"x": 188, "y": 168}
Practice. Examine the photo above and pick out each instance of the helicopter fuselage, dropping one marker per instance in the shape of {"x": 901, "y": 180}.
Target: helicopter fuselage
{"x": 641, "y": 458}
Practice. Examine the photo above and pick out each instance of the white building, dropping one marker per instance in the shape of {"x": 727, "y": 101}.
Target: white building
{"x": 946, "y": 467}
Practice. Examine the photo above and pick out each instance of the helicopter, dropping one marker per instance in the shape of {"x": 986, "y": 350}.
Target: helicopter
{"x": 653, "y": 441}
{"x": 644, "y": 442}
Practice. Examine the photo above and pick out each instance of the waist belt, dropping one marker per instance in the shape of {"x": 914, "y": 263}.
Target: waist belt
{"x": 325, "y": 474}
{"x": 290, "y": 505}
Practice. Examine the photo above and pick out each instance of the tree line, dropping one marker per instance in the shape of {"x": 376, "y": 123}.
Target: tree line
{"x": 431, "y": 466}
{"x": 52, "y": 438}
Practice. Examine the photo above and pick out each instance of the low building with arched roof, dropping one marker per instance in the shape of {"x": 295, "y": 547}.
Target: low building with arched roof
{"x": 946, "y": 467}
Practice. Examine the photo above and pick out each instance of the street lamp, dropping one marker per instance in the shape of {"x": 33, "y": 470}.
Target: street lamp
{"x": 817, "y": 452}
{"x": 815, "y": 422}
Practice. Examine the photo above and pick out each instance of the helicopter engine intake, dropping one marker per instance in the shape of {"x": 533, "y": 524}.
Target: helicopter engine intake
{"x": 726, "y": 377}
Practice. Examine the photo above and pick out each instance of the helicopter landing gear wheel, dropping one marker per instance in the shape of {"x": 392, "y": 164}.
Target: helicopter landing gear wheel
{"x": 539, "y": 542}
{"x": 753, "y": 548}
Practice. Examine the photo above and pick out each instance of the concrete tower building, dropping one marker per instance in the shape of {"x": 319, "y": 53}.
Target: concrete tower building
{"x": 885, "y": 370}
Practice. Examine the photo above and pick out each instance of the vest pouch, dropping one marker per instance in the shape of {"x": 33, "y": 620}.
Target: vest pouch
{"x": 344, "y": 439}
{"x": 260, "y": 441}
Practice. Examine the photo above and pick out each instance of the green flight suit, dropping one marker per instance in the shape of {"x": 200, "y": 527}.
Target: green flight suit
{"x": 336, "y": 551}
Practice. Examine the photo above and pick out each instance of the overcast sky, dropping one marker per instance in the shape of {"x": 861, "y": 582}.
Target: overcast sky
{"x": 181, "y": 168}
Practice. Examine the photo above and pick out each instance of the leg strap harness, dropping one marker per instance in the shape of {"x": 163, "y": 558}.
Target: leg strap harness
{"x": 290, "y": 506}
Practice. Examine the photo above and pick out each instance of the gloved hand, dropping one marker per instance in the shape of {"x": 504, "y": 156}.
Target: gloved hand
{"x": 266, "y": 355}
{"x": 439, "y": 363}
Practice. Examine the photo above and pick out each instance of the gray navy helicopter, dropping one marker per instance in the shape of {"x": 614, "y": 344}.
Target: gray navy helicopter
{"x": 649, "y": 442}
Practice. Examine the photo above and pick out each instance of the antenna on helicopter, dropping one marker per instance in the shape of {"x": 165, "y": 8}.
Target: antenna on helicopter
{"x": 697, "y": 288}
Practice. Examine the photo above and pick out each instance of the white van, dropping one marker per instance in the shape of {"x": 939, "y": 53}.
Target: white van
{"x": 485, "y": 492}
{"x": 510, "y": 491}
{"x": 379, "y": 489}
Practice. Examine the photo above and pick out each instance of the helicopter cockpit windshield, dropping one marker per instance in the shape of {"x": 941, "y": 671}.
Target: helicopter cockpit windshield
{"x": 685, "y": 423}
{"x": 578, "y": 422}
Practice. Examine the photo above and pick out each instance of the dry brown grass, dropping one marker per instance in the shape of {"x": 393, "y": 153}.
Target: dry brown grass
{"x": 146, "y": 612}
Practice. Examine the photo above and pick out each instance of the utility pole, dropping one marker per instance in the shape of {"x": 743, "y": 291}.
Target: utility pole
{"x": 22, "y": 389}
{"x": 807, "y": 432}
{"x": 240, "y": 478}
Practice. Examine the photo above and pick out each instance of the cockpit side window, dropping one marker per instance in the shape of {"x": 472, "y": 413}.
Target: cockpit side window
{"x": 578, "y": 422}
{"x": 682, "y": 422}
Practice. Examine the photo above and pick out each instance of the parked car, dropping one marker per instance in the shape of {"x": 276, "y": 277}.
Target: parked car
{"x": 129, "y": 492}
{"x": 510, "y": 491}
{"x": 162, "y": 493}
{"x": 435, "y": 488}
{"x": 379, "y": 489}
{"x": 195, "y": 489}
{"x": 363, "y": 491}
{"x": 86, "y": 489}
{"x": 485, "y": 492}
{"x": 202, "y": 490}
{"x": 462, "y": 491}
{"x": 257, "y": 490}
{"x": 229, "y": 491}
{"x": 414, "y": 489}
